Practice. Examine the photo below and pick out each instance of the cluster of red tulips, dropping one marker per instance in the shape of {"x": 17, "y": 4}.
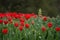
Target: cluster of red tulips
{"x": 10, "y": 17}
{"x": 23, "y": 22}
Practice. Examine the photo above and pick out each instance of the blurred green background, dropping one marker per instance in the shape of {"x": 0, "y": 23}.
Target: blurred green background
{"x": 49, "y": 7}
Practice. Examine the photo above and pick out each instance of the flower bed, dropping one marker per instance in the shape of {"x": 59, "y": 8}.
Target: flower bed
{"x": 20, "y": 26}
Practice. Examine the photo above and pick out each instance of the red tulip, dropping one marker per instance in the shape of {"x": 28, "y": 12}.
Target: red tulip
{"x": 7, "y": 15}
{"x": 57, "y": 29}
{"x": 50, "y": 24}
{"x": 43, "y": 29}
{"x": 5, "y": 22}
{"x": 17, "y": 16}
{"x": 22, "y": 23}
{"x": 21, "y": 20}
{"x": 1, "y": 15}
{"x": 27, "y": 25}
{"x": 5, "y": 31}
{"x": 9, "y": 19}
{"x": 1, "y": 21}
{"x": 27, "y": 16}
{"x": 44, "y": 18}
{"x": 16, "y": 24}
{"x": 21, "y": 28}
